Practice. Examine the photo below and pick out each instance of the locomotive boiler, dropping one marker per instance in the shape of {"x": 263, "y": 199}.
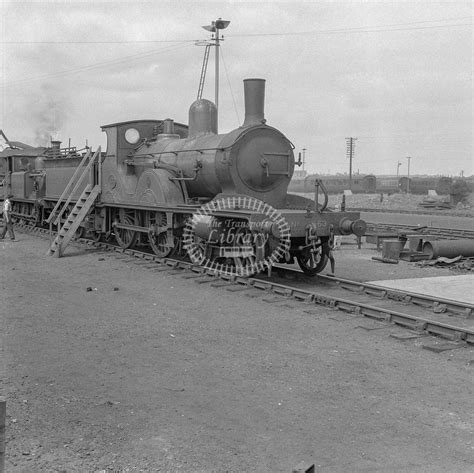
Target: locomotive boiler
{"x": 254, "y": 160}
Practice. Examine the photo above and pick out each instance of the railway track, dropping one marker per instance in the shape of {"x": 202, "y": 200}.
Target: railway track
{"x": 449, "y": 319}
{"x": 427, "y": 211}
{"x": 425, "y": 230}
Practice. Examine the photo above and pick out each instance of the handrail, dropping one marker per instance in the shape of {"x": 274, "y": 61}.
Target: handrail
{"x": 317, "y": 184}
{"x": 76, "y": 187}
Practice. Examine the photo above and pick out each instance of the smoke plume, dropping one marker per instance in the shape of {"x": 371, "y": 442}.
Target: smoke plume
{"x": 49, "y": 114}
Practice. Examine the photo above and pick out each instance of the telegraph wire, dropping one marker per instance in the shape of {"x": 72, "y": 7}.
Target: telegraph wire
{"x": 132, "y": 41}
{"x": 358, "y": 29}
{"x": 366, "y": 29}
{"x": 91, "y": 67}
{"x": 230, "y": 87}
{"x": 186, "y": 42}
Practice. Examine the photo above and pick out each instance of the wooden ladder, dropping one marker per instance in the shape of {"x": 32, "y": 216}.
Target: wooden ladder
{"x": 67, "y": 231}
{"x": 74, "y": 219}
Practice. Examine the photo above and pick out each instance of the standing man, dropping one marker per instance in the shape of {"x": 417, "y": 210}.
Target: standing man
{"x": 7, "y": 217}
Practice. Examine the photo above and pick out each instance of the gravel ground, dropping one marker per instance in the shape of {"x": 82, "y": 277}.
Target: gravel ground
{"x": 149, "y": 371}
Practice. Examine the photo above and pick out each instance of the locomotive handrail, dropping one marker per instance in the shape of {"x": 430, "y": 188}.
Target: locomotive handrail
{"x": 176, "y": 152}
{"x": 317, "y": 184}
{"x": 202, "y": 150}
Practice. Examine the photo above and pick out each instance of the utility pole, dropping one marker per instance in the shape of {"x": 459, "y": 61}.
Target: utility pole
{"x": 408, "y": 181}
{"x": 350, "y": 151}
{"x": 214, "y": 27}
{"x": 304, "y": 157}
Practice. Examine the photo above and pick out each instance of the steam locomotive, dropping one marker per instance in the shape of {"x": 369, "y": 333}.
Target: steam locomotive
{"x": 156, "y": 175}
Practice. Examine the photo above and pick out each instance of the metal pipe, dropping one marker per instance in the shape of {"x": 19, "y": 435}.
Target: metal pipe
{"x": 217, "y": 79}
{"x": 448, "y": 248}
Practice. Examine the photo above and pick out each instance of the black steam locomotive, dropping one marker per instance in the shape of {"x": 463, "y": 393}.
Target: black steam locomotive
{"x": 185, "y": 188}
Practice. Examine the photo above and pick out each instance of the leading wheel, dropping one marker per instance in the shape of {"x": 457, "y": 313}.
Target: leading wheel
{"x": 311, "y": 265}
{"x": 313, "y": 260}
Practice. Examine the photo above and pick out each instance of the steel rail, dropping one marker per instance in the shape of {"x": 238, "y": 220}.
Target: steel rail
{"x": 357, "y": 308}
{"x": 437, "y": 304}
{"x": 427, "y": 211}
{"x": 405, "y": 228}
{"x": 421, "y": 324}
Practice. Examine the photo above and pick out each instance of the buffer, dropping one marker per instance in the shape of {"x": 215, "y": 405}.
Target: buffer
{"x": 77, "y": 215}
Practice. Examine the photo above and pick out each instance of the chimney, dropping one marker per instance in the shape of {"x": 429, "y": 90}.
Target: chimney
{"x": 254, "y": 92}
{"x": 55, "y": 148}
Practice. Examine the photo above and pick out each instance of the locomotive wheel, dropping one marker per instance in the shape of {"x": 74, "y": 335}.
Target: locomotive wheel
{"x": 96, "y": 236}
{"x": 315, "y": 261}
{"x": 125, "y": 238}
{"x": 162, "y": 243}
{"x": 35, "y": 217}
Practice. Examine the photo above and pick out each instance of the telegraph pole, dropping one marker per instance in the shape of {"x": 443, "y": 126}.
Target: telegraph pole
{"x": 350, "y": 151}
{"x": 304, "y": 157}
{"x": 215, "y": 27}
{"x": 408, "y": 181}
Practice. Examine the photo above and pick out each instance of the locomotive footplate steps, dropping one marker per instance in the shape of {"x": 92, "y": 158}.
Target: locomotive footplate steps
{"x": 74, "y": 219}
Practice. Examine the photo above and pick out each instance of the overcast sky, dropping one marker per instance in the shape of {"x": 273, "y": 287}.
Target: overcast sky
{"x": 395, "y": 75}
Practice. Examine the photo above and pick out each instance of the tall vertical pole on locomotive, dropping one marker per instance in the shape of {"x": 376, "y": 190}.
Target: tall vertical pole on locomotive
{"x": 214, "y": 27}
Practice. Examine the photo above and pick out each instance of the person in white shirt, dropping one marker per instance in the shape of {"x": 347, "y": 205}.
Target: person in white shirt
{"x": 7, "y": 211}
